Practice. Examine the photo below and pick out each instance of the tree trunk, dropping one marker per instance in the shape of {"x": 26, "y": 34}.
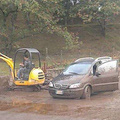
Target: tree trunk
{"x": 103, "y": 27}
{"x": 66, "y": 21}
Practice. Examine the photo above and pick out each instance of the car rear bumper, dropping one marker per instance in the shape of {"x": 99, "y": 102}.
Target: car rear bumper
{"x": 68, "y": 93}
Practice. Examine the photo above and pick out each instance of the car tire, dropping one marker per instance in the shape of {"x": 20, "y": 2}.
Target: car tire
{"x": 87, "y": 92}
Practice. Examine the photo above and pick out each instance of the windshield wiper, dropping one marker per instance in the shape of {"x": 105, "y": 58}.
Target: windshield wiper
{"x": 74, "y": 73}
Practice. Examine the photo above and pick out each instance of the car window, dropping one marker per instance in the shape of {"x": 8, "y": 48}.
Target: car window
{"x": 108, "y": 67}
{"x": 77, "y": 68}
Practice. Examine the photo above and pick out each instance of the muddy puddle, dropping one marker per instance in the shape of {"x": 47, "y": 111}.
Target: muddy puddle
{"x": 102, "y": 105}
{"x": 39, "y": 108}
{"x": 42, "y": 108}
{"x": 43, "y": 103}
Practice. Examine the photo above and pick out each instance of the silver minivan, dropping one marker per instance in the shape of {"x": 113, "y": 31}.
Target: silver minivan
{"x": 84, "y": 77}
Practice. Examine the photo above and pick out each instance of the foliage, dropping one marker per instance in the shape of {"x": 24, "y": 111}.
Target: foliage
{"x": 25, "y": 18}
{"x": 101, "y": 10}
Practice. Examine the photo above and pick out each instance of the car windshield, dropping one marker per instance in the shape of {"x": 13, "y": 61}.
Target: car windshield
{"x": 77, "y": 68}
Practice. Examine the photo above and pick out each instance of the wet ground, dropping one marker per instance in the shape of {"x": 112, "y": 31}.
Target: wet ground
{"x": 25, "y": 105}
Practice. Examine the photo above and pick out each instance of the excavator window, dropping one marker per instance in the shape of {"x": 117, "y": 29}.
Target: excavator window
{"x": 35, "y": 60}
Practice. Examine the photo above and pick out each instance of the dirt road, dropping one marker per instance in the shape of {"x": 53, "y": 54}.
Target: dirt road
{"x": 40, "y": 105}
{"x": 26, "y": 105}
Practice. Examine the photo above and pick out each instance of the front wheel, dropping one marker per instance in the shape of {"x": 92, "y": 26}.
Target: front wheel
{"x": 87, "y": 92}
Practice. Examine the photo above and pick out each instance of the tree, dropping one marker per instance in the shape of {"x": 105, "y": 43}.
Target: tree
{"x": 7, "y": 9}
{"x": 65, "y": 11}
{"x": 37, "y": 17}
{"x": 100, "y": 10}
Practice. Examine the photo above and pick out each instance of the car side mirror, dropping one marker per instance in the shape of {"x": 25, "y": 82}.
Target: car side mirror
{"x": 97, "y": 74}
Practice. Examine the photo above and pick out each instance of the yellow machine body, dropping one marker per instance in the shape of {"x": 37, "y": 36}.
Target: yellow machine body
{"x": 36, "y": 77}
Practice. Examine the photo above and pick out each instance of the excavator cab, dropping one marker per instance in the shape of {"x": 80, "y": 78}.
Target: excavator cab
{"x": 19, "y": 55}
{"x": 31, "y": 75}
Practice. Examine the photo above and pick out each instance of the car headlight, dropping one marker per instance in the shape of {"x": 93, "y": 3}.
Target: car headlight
{"x": 50, "y": 84}
{"x": 75, "y": 85}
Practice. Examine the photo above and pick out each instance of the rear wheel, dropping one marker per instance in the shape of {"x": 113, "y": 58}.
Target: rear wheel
{"x": 87, "y": 92}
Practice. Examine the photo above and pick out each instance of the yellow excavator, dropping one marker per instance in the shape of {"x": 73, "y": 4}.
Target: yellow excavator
{"x": 33, "y": 77}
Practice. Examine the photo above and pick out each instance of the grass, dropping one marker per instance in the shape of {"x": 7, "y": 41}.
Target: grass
{"x": 93, "y": 44}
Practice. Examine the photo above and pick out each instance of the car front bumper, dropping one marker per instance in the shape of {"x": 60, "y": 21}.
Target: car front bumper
{"x": 67, "y": 93}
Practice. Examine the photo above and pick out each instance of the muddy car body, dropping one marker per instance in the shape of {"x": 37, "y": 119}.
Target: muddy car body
{"x": 84, "y": 77}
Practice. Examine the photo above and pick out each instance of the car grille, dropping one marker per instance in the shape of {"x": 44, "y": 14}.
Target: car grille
{"x": 40, "y": 75}
{"x": 59, "y": 86}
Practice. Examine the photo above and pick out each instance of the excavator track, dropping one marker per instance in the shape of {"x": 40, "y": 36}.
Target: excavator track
{"x": 35, "y": 88}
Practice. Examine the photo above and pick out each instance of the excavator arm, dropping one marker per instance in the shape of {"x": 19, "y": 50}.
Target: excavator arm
{"x": 9, "y": 61}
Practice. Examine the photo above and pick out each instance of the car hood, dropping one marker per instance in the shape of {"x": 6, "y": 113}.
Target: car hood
{"x": 68, "y": 79}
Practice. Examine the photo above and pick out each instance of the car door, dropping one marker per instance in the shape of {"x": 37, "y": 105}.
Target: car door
{"x": 108, "y": 78}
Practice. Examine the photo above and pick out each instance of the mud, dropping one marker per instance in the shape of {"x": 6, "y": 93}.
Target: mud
{"x": 28, "y": 105}
{"x": 4, "y": 83}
